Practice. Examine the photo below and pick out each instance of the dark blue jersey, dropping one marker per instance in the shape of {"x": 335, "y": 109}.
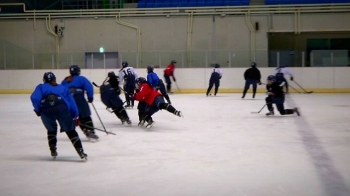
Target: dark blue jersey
{"x": 43, "y": 90}
{"x": 79, "y": 82}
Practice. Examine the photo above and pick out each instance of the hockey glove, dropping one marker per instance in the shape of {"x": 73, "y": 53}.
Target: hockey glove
{"x": 291, "y": 78}
{"x": 37, "y": 113}
{"x": 260, "y": 83}
{"x": 174, "y": 79}
{"x": 76, "y": 121}
{"x": 90, "y": 99}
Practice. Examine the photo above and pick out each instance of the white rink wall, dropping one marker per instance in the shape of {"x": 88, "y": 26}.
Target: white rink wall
{"x": 191, "y": 80}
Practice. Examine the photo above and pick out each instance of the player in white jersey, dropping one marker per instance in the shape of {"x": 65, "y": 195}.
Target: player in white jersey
{"x": 215, "y": 77}
{"x": 128, "y": 75}
{"x": 280, "y": 73}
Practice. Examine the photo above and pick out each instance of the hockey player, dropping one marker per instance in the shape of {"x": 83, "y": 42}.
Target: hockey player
{"x": 157, "y": 83}
{"x": 215, "y": 77}
{"x": 276, "y": 96}
{"x": 169, "y": 72}
{"x": 128, "y": 75}
{"x": 280, "y": 73}
{"x": 53, "y": 102}
{"x": 154, "y": 101}
{"x": 78, "y": 86}
{"x": 110, "y": 92}
{"x": 252, "y": 76}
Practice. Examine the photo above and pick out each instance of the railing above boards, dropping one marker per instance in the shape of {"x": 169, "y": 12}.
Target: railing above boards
{"x": 184, "y": 11}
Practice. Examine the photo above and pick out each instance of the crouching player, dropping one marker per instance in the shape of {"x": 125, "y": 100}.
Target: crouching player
{"x": 54, "y": 102}
{"x": 154, "y": 101}
{"x": 276, "y": 96}
{"x": 110, "y": 92}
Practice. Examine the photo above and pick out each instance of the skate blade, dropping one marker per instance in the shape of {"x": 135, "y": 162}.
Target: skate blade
{"x": 93, "y": 140}
{"x": 150, "y": 126}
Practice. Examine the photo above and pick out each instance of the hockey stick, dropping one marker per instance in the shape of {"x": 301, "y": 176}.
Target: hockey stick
{"x": 177, "y": 87}
{"x": 93, "y": 83}
{"x": 259, "y": 110}
{"x": 87, "y": 126}
{"x": 294, "y": 88}
{"x": 99, "y": 118}
{"x": 308, "y": 92}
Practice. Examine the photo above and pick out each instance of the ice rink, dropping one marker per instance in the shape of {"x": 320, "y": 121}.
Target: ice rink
{"x": 218, "y": 149}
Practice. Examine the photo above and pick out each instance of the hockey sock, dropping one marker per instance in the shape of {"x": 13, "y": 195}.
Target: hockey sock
{"x": 286, "y": 112}
{"x": 116, "y": 112}
{"x": 123, "y": 113}
{"x": 216, "y": 90}
{"x": 209, "y": 88}
{"x": 167, "y": 98}
{"x": 52, "y": 138}
{"x": 86, "y": 121}
{"x": 168, "y": 87}
{"x": 244, "y": 92}
{"x": 168, "y": 108}
{"x": 141, "y": 115}
{"x": 74, "y": 138}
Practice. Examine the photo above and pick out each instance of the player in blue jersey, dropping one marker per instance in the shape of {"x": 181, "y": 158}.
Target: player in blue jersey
{"x": 128, "y": 76}
{"x": 78, "y": 86}
{"x": 157, "y": 83}
{"x": 54, "y": 102}
{"x": 215, "y": 77}
{"x": 110, "y": 97}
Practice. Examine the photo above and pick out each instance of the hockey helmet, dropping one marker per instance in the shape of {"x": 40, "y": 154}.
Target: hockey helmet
{"x": 149, "y": 69}
{"x": 48, "y": 77}
{"x": 271, "y": 77}
{"x": 125, "y": 64}
{"x": 253, "y": 64}
{"x": 74, "y": 70}
{"x": 173, "y": 62}
{"x": 111, "y": 73}
{"x": 139, "y": 81}
{"x": 217, "y": 65}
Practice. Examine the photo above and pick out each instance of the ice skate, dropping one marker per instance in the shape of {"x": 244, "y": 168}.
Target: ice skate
{"x": 270, "y": 113}
{"x": 141, "y": 123}
{"x": 179, "y": 114}
{"x": 296, "y": 110}
{"x": 53, "y": 152}
{"x": 128, "y": 121}
{"x": 81, "y": 153}
{"x": 93, "y": 137}
{"x": 150, "y": 124}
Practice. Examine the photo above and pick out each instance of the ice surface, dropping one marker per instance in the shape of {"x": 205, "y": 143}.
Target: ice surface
{"x": 219, "y": 148}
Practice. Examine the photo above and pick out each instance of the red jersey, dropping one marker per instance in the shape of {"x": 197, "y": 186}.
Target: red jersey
{"x": 147, "y": 94}
{"x": 169, "y": 71}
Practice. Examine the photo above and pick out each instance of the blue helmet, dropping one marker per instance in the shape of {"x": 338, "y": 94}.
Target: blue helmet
{"x": 149, "y": 69}
{"x": 74, "y": 70}
{"x": 217, "y": 65}
{"x": 48, "y": 77}
{"x": 125, "y": 64}
{"x": 271, "y": 77}
{"x": 253, "y": 64}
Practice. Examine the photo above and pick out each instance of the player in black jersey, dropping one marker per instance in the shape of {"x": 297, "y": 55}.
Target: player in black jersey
{"x": 276, "y": 95}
